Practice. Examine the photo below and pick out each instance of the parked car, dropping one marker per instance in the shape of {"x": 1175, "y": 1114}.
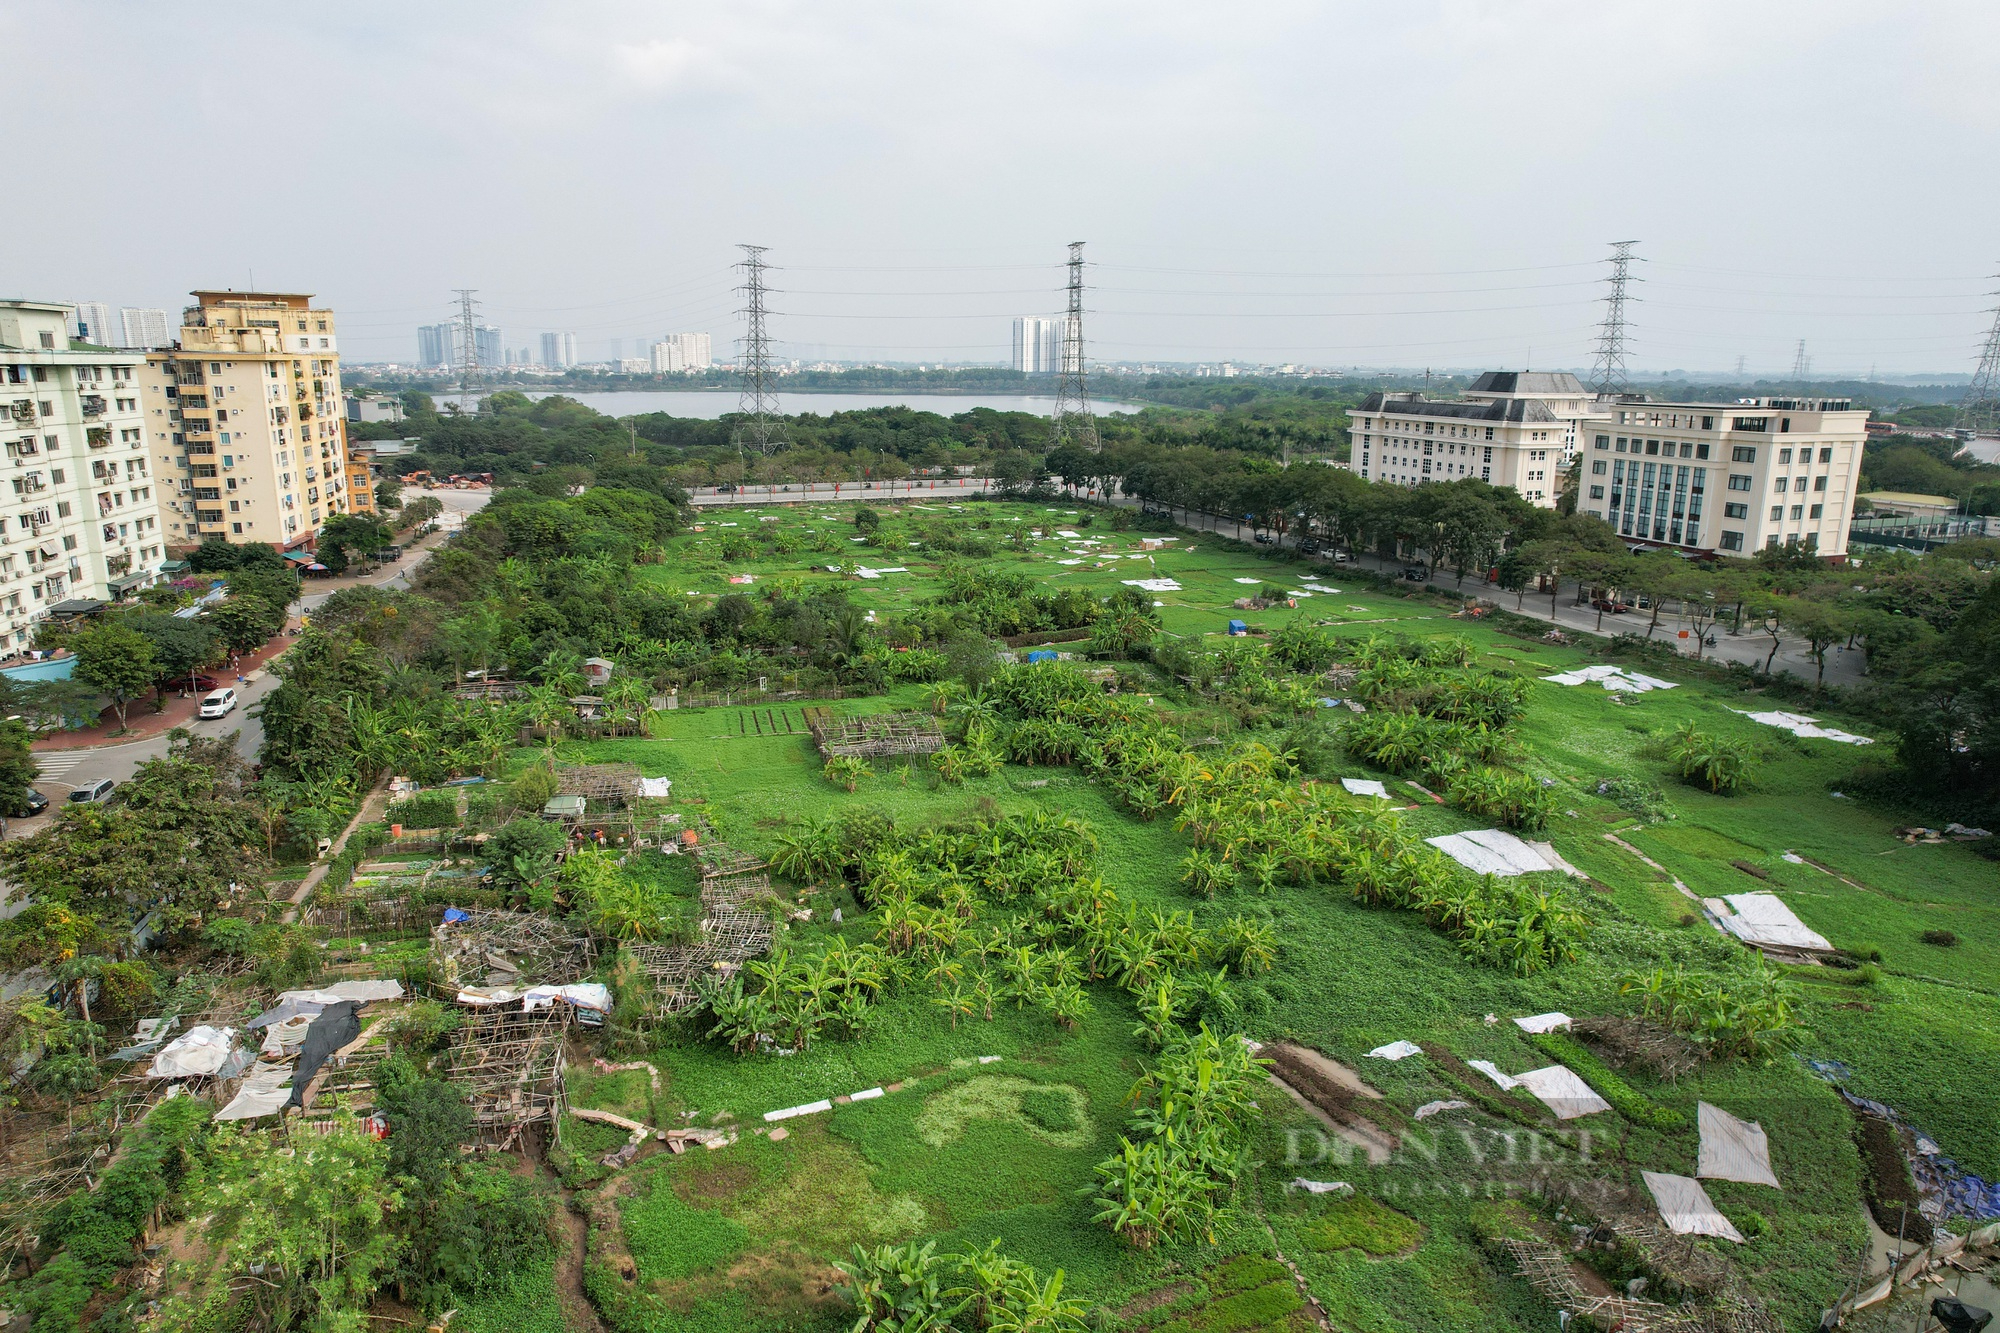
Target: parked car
{"x": 218, "y": 703}
{"x": 1311, "y": 546}
{"x": 1342, "y": 558}
{"x": 1417, "y": 573}
{"x": 1607, "y": 604}
{"x": 201, "y": 682}
{"x": 32, "y": 802}
{"x": 93, "y": 793}
{"x": 1262, "y": 538}
{"x": 725, "y": 489}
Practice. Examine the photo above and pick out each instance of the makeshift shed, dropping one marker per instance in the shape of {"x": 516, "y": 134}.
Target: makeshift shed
{"x": 1238, "y": 627}
{"x": 874, "y": 735}
{"x": 1733, "y": 1149}
{"x": 1686, "y": 1209}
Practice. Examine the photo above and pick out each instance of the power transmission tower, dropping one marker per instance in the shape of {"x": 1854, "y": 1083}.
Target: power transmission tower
{"x": 1608, "y": 371}
{"x": 468, "y": 346}
{"x": 1741, "y": 361}
{"x": 758, "y": 403}
{"x": 1073, "y": 423}
{"x": 1801, "y": 364}
{"x": 1979, "y": 409}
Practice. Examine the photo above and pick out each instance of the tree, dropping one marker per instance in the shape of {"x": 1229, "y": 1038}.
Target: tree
{"x": 1821, "y": 625}
{"x": 389, "y": 493}
{"x": 245, "y": 623}
{"x": 118, "y": 661}
{"x": 866, "y": 520}
{"x": 18, "y": 769}
{"x": 180, "y": 646}
{"x": 47, "y": 705}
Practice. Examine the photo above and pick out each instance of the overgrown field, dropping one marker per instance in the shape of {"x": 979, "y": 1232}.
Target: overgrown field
{"x": 966, "y": 1152}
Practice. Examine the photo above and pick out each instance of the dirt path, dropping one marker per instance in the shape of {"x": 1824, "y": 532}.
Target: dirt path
{"x": 579, "y": 1315}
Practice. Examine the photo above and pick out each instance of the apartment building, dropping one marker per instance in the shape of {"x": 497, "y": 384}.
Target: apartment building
{"x": 1743, "y": 476}
{"x": 245, "y": 416}
{"x": 1511, "y": 428}
{"x": 1038, "y": 344}
{"x": 79, "y": 515}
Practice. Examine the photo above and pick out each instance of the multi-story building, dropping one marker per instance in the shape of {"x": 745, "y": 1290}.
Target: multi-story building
{"x": 1038, "y": 345}
{"x": 694, "y": 350}
{"x": 1511, "y": 428}
{"x": 439, "y": 344}
{"x": 1743, "y": 476}
{"x": 374, "y": 408}
{"x": 244, "y": 412}
{"x": 558, "y": 350}
{"x": 81, "y": 517}
{"x": 91, "y": 323}
{"x": 144, "y": 329}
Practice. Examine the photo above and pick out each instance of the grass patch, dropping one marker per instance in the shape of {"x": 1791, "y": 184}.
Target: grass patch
{"x": 669, "y": 1240}
{"x": 1358, "y": 1222}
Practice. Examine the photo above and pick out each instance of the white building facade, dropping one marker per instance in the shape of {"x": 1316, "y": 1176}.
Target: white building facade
{"x": 144, "y": 329}
{"x": 1038, "y": 345}
{"x": 82, "y": 516}
{"x": 1511, "y": 428}
{"x": 1727, "y": 479}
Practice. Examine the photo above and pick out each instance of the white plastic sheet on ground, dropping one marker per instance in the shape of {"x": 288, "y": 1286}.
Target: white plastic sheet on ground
{"x": 1397, "y": 1050}
{"x": 363, "y": 991}
{"x": 1542, "y": 1022}
{"x": 1492, "y": 1071}
{"x": 1685, "y": 1207}
{"x": 1153, "y": 585}
{"x": 1492, "y": 851}
{"x": 586, "y": 994}
{"x": 1763, "y": 918}
{"x": 1558, "y": 1088}
{"x": 282, "y": 1039}
{"x": 1801, "y": 725}
{"x": 1366, "y": 787}
{"x": 657, "y": 789}
{"x": 266, "y": 1089}
{"x": 1317, "y": 1186}
{"x": 1733, "y": 1149}
{"x": 1429, "y": 1109}
{"x": 1252, "y": 582}
{"x": 485, "y": 997}
{"x": 197, "y": 1052}
{"x": 1614, "y": 678}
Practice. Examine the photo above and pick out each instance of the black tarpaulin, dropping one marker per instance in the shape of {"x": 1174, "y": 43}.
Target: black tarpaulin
{"x": 336, "y": 1026}
{"x": 1958, "y": 1317}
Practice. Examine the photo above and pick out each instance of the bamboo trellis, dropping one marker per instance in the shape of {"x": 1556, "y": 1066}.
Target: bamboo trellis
{"x": 510, "y": 1066}
{"x": 874, "y": 735}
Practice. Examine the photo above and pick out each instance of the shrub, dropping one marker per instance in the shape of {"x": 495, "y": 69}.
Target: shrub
{"x": 1704, "y": 760}
{"x": 1943, "y": 939}
{"x": 1515, "y": 800}
{"x": 1358, "y": 1222}
{"x": 431, "y": 809}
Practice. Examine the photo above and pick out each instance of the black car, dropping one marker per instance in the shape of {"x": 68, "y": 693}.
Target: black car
{"x": 1418, "y": 573}
{"x": 31, "y": 803}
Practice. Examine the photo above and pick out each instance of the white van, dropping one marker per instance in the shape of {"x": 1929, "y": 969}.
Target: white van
{"x": 218, "y": 703}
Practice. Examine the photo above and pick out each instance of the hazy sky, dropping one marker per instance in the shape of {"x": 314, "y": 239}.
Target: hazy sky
{"x": 1398, "y": 183}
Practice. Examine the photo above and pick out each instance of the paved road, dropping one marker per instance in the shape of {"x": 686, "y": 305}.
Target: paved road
{"x": 65, "y": 770}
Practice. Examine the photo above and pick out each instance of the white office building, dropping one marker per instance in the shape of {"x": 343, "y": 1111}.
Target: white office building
{"x": 558, "y": 350}
{"x": 1511, "y": 428}
{"x": 1038, "y": 345}
{"x": 1762, "y": 472}
{"x": 694, "y": 350}
{"x": 79, "y": 519}
{"x": 144, "y": 329}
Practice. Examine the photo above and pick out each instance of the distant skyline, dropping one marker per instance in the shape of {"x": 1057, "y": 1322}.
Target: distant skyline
{"x": 1335, "y": 184}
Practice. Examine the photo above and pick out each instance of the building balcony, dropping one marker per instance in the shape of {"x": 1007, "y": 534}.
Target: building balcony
{"x": 93, "y": 405}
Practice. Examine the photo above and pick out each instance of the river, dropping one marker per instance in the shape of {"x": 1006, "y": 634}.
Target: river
{"x": 708, "y": 404}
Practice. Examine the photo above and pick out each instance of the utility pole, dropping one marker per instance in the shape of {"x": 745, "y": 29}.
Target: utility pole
{"x": 1072, "y": 423}
{"x": 468, "y": 347}
{"x": 1801, "y": 364}
{"x": 1979, "y": 409}
{"x": 1608, "y": 371}
{"x": 758, "y": 403}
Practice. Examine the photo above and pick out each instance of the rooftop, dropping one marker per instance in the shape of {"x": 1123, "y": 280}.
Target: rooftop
{"x": 1492, "y": 409}
{"x": 1557, "y": 382}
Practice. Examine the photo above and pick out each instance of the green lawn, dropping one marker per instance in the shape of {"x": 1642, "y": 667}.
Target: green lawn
{"x": 745, "y": 1233}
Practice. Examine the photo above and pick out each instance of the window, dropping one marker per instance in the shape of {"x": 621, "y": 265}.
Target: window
{"x": 1777, "y": 513}
{"x": 1819, "y": 483}
{"x": 1732, "y": 541}
{"x": 1701, "y": 450}
{"x": 1826, "y": 455}
{"x": 1489, "y": 435}
{"x": 1707, "y": 423}
{"x": 1784, "y": 455}
{"x": 1739, "y": 482}
{"x": 1798, "y": 512}
{"x": 1604, "y": 441}
{"x": 1597, "y": 467}
{"x": 1652, "y": 446}
{"x": 1744, "y": 453}
{"x": 1778, "y": 485}
{"x": 1736, "y": 511}
{"x": 1597, "y": 492}
{"x": 1816, "y": 511}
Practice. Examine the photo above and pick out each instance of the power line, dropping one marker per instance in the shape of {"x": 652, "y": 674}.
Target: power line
{"x": 759, "y": 402}
{"x": 1801, "y": 364}
{"x": 1072, "y": 422}
{"x": 1979, "y": 409}
{"x": 1608, "y": 373}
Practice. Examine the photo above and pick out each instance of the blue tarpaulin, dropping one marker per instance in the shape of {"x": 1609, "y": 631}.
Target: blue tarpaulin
{"x": 1042, "y": 655}
{"x": 1238, "y": 627}
{"x": 456, "y": 914}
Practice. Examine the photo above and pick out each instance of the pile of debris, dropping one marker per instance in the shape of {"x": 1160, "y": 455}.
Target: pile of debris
{"x": 1950, "y": 833}
{"x": 476, "y": 946}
